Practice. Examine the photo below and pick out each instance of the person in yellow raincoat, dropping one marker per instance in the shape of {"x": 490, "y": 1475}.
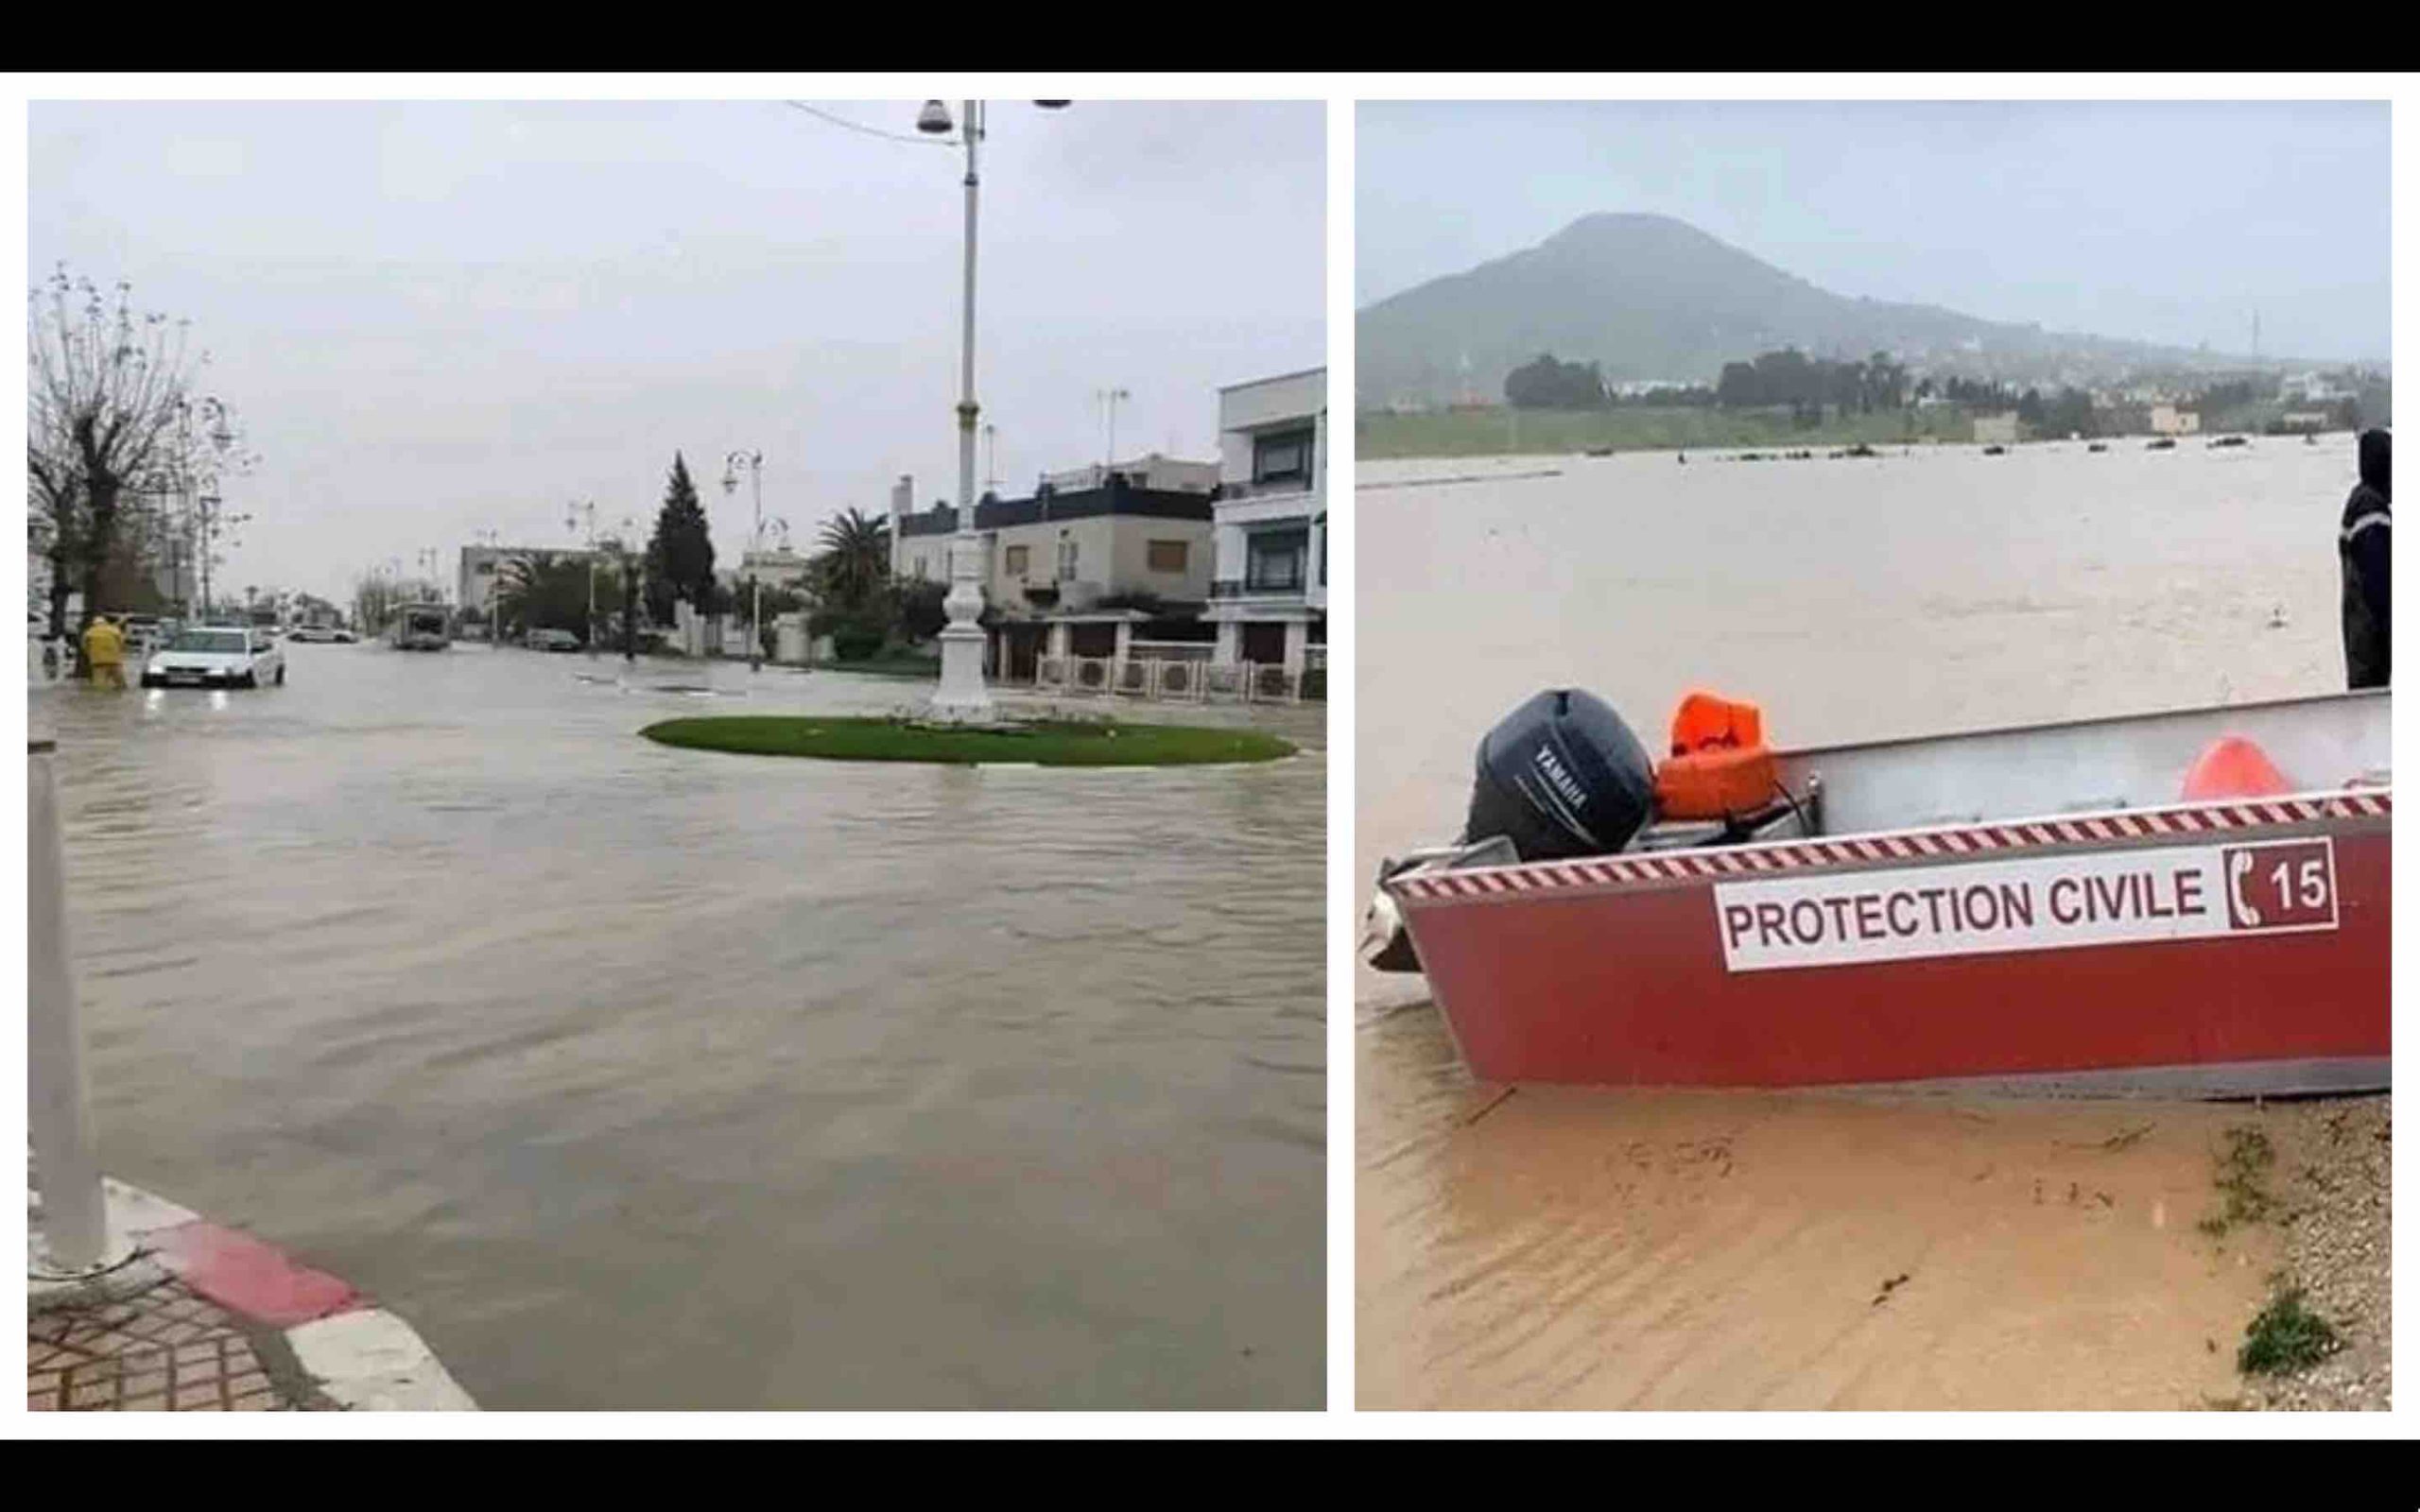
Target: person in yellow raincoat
{"x": 105, "y": 653}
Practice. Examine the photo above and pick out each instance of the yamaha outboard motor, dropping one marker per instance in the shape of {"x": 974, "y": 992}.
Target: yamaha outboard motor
{"x": 1562, "y": 776}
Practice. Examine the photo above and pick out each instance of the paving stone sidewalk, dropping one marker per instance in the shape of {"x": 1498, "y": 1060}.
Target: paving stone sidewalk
{"x": 198, "y": 1317}
{"x": 147, "y": 1342}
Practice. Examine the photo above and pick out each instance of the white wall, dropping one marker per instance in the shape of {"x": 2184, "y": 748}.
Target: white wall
{"x": 1273, "y": 403}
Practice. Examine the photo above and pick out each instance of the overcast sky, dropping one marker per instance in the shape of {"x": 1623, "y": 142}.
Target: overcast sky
{"x": 437, "y": 318}
{"x": 2159, "y": 222}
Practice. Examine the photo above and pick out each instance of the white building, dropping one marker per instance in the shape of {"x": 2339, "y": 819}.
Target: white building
{"x": 1639, "y": 387}
{"x": 474, "y": 576}
{"x": 1064, "y": 549}
{"x": 1269, "y": 591}
{"x": 1065, "y": 569}
{"x": 2310, "y": 388}
{"x": 2167, "y": 419}
{"x": 775, "y": 567}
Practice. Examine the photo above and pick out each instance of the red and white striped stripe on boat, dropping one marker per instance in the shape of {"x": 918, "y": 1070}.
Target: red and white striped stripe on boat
{"x": 2114, "y": 827}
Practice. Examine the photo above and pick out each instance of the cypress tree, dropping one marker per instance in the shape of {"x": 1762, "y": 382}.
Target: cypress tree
{"x": 680, "y": 555}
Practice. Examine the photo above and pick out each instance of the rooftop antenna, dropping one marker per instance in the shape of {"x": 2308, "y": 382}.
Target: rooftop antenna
{"x": 1110, "y": 399}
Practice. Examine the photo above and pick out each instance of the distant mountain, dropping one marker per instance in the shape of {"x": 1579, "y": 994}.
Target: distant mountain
{"x": 1648, "y": 296}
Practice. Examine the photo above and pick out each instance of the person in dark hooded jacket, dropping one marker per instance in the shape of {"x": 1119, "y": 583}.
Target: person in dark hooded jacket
{"x": 2362, "y": 545}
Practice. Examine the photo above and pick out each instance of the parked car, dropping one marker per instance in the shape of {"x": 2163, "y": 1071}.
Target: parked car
{"x": 143, "y": 635}
{"x": 553, "y": 640}
{"x": 220, "y": 656}
{"x": 315, "y": 632}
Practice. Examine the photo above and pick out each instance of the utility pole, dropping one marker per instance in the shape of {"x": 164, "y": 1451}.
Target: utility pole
{"x": 630, "y": 602}
{"x": 58, "y": 1122}
{"x": 754, "y": 463}
{"x": 1109, "y": 398}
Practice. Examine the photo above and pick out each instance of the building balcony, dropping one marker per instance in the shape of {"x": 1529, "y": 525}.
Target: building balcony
{"x": 1275, "y": 488}
{"x": 1244, "y": 504}
{"x": 1273, "y": 597}
{"x": 1048, "y": 593}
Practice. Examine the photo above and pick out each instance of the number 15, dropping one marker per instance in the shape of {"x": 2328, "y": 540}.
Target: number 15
{"x": 2308, "y": 886}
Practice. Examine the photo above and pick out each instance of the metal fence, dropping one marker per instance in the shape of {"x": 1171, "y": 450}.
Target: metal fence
{"x": 1185, "y": 680}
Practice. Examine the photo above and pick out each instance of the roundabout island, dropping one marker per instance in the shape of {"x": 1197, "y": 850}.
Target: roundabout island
{"x": 1039, "y": 742}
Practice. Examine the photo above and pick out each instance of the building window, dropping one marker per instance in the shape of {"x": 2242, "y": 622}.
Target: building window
{"x": 1281, "y": 456}
{"x": 1165, "y": 556}
{"x": 1273, "y": 560}
{"x": 1066, "y": 559}
{"x": 1016, "y": 561}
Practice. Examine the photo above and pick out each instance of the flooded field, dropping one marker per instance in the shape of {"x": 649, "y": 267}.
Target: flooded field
{"x": 646, "y": 1078}
{"x": 1563, "y": 1247}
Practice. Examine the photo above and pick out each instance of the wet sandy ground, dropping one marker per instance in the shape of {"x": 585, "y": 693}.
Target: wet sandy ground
{"x": 1568, "y": 1247}
{"x": 2334, "y": 1160}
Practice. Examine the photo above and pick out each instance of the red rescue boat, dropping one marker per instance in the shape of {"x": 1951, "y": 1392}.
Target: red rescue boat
{"x": 2183, "y": 903}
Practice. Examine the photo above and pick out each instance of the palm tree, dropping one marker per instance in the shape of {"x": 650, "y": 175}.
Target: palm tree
{"x": 854, "y": 563}
{"x": 544, "y": 591}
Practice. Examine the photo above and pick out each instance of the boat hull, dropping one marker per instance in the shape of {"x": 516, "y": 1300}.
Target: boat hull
{"x": 2207, "y": 949}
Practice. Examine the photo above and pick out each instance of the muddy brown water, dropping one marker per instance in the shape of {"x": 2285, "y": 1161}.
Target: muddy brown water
{"x": 646, "y": 1078}
{"x": 1561, "y": 1247}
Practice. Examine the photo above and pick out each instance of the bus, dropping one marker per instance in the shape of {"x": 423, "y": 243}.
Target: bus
{"x": 421, "y": 627}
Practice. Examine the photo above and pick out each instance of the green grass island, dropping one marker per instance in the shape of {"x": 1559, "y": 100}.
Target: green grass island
{"x": 1040, "y": 743}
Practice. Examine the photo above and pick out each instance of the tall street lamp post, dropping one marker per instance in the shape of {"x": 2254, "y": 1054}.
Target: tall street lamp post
{"x": 493, "y": 540}
{"x": 754, "y": 463}
{"x": 629, "y": 593}
{"x": 202, "y": 484}
{"x": 962, "y": 693}
{"x": 571, "y": 522}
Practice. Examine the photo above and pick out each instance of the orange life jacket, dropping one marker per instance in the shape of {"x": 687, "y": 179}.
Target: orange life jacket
{"x": 2234, "y": 767}
{"x": 1721, "y": 764}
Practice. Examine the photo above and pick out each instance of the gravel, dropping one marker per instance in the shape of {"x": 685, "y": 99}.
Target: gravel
{"x": 2330, "y": 1179}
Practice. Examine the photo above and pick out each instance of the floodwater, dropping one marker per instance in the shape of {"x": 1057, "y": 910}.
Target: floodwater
{"x": 1569, "y": 1247}
{"x": 645, "y": 1078}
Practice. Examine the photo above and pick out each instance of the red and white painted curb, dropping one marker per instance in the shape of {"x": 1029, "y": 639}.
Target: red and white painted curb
{"x": 1963, "y": 841}
{"x": 360, "y": 1355}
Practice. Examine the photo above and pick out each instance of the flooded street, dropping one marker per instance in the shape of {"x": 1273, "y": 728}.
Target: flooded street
{"x": 1568, "y": 1247}
{"x": 645, "y": 1078}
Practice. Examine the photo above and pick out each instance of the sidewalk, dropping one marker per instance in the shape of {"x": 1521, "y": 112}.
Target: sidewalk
{"x": 158, "y": 1347}
{"x": 203, "y": 1319}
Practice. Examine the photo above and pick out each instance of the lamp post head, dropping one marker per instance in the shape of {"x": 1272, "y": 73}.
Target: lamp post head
{"x": 933, "y": 118}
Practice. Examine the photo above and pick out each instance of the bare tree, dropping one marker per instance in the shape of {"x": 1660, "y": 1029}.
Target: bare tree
{"x": 53, "y": 520}
{"x": 374, "y": 598}
{"x": 104, "y": 390}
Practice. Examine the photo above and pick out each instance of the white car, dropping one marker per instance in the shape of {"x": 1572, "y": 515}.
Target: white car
{"x": 216, "y": 656}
